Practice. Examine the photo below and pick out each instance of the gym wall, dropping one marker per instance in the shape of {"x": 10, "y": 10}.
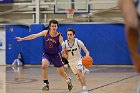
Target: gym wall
{"x": 106, "y": 43}
{"x": 31, "y": 50}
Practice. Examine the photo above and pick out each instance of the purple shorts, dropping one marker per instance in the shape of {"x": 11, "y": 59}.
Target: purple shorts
{"x": 54, "y": 58}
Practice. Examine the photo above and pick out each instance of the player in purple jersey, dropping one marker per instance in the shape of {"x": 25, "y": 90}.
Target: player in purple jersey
{"x": 51, "y": 52}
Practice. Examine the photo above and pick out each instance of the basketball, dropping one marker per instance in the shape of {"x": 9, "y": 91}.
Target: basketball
{"x": 87, "y": 61}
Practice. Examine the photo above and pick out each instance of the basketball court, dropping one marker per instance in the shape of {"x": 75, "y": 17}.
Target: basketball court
{"x": 101, "y": 79}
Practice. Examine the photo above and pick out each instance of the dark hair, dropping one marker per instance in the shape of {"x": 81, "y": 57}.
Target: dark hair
{"x": 21, "y": 59}
{"x": 20, "y": 54}
{"x": 53, "y": 21}
{"x": 72, "y": 30}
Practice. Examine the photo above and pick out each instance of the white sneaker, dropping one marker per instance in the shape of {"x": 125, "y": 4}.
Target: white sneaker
{"x": 84, "y": 91}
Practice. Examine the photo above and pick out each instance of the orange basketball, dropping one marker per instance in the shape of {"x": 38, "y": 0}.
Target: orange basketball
{"x": 87, "y": 61}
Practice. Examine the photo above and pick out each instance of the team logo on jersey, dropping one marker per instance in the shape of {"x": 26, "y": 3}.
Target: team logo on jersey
{"x": 51, "y": 40}
{"x": 72, "y": 50}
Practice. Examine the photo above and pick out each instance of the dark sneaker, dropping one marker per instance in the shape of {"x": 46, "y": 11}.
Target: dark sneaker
{"x": 69, "y": 84}
{"x": 45, "y": 87}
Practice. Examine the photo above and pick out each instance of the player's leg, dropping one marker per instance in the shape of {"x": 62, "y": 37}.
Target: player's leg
{"x": 77, "y": 69}
{"x": 14, "y": 63}
{"x": 45, "y": 64}
{"x": 19, "y": 63}
{"x": 80, "y": 69}
{"x": 132, "y": 27}
{"x": 62, "y": 72}
{"x": 58, "y": 63}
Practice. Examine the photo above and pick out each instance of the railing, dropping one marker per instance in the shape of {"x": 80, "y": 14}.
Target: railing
{"x": 36, "y": 11}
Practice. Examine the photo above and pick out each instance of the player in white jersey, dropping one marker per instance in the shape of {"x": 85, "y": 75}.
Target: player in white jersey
{"x": 72, "y": 47}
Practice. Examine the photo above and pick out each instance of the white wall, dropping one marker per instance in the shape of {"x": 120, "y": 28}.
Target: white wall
{"x": 2, "y": 79}
{"x": 2, "y": 49}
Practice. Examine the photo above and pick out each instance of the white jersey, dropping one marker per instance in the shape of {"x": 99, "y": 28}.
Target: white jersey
{"x": 74, "y": 49}
{"x": 74, "y": 54}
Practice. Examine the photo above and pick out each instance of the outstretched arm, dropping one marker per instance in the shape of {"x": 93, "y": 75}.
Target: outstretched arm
{"x": 33, "y": 36}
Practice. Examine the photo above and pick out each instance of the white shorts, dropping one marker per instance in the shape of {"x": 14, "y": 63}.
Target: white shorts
{"x": 75, "y": 65}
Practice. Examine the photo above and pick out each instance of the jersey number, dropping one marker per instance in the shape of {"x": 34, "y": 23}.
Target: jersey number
{"x": 50, "y": 45}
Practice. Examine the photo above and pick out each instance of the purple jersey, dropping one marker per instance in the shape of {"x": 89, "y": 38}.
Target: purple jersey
{"x": 52, "y": 44}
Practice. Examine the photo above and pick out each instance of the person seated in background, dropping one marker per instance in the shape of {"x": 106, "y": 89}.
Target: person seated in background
{"x": 18, "y": 61}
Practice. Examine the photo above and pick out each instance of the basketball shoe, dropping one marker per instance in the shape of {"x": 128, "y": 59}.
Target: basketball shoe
{"x": 70, "y": 86}
{"x": 45, "y": 87}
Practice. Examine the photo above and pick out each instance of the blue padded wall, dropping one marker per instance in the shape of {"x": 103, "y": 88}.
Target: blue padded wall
{"x": 30, "y": 49}
{"x": 6, "y": 1}
{"x": 11, "y": 53}
{"x": 36, "y": 45}
{"x": 106, "y": 42}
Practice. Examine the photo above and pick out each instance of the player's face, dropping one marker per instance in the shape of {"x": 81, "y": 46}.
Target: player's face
{"x": 19, "y": 55}
{"x": 70, "y": 35}
{"x": 53, "y": 27}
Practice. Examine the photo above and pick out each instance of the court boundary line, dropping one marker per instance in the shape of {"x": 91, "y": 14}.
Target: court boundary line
{"x": 114, "y": 82}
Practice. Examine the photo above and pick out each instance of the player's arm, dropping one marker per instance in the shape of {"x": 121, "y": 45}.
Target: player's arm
{"x": 61, "y": 39}
{"x": 85, "y": 50}
{"x": 64, "y": 51}
{"x": 64, "y": 54}
{"x": 82, "y": 46}
{"x": 33, "y": 36}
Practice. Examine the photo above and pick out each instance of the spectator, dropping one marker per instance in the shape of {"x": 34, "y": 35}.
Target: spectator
{"x": 18, "y": 61}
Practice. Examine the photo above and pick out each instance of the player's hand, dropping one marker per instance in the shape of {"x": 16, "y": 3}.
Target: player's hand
{"x": 19, "y": 39}
{"x": 64, "y": 53}
{"x": 64, "y": 60}
{"x": 87, "y": 55}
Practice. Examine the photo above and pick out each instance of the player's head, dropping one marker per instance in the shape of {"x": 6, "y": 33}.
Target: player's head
{"x": 70, "y": 33}
{"x": 53, "y": 24}
{"x": 19, "y": 55}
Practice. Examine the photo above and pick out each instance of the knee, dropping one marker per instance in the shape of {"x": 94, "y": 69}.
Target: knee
{"x": 44, "y": 66}
{"x": 79, "y": 75}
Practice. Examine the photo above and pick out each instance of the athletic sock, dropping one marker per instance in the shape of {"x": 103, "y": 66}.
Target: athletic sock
{"x": 46, "y": 81}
